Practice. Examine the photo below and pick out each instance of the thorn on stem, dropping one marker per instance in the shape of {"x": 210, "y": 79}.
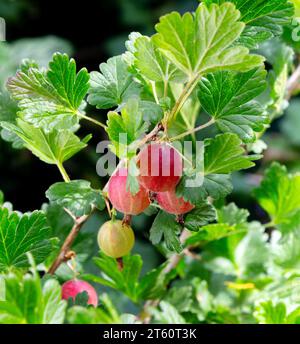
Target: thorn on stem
{"x": 70, "y": 255}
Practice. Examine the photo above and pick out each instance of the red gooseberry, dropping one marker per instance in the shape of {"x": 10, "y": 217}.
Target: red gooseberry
{"x": 122, "y": 199}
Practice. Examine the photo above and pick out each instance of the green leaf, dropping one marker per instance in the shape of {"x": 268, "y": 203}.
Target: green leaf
{"x": 292, "y": 224}
{"x": 281, "y": 57}
{"x": 211, "y": 233}
{"x": 53, "y": 307}
{"x": 152, "y": 64}
{"x": 233, "y": 216}
{"x": 152, "y": 112}
{"x": 264, "y": 19}
{"x": 167, "y": 314}
{"x": 200, "y": 216}
{"x": 70, "y": 86}
{"x": 22, "y": 234}
{"x": 27, "y": 302}
{"x": 126, "y": 128}
{"x": 81, "y": 299}
{"x": 202, "y": 43}
{"x": 154, "y": 284}
{"x": 181, "y": 298}
{"x": 214, "y": 185}
{"x": 231, "y": 220}
{"x": 228, "y": 98}
{"x": 77, "y": 196}
{"x": 52, "y": 148}
{"x": 51, "y": 99}
{"x": 126, "y": 280}
{"x": 165, "y": 226}
{"x": 268, "y": 313}
{"x": 113, "y": 86}
{"x": 8, "y": 108}
{"x": 279, "y": 194}
{"x": 8, "y": 113}
{"x": 224, "y": 154}
{"x": 106, "y": 314}
{"x": 252, "y": 254}
{"x": 286, "y": 249}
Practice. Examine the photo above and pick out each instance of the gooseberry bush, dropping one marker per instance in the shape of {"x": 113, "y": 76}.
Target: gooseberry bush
{"x": 219, "y": 77}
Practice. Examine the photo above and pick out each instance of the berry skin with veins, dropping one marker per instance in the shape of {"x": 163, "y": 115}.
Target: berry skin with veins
{"x": 116, "y": 239}
{"x": 123, "y": 200}
{"x": 173, "y": 204}
{"x": 72, "y": 288}
{"x": 160, "y": 167}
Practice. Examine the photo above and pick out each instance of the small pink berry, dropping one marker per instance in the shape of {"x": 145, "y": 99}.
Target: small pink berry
{"x": 72, "y": 288}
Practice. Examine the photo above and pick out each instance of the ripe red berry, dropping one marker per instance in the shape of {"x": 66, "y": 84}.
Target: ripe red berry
{"x": 160, "y": 167}
{"x": 122, "y": 199}
{"x": 173, "y": 204}
{"x": 115, "y": 239}
{"x": 72, "y": 288}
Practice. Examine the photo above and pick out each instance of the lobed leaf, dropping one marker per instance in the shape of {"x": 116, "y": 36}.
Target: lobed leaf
{"x": 263, "y": 19}
{"x": 20, "y": 234}
{"x": 54, "y": 147}
{"x": 126, "y": 128}
{"x": 202, "y": 43}
{"x": 77, "y": 196}
{"x": 279, "y": 194}
{"x": 28, "y": 302}
{"x": 52, "y": 99}
{"x": 229, "y": 98}
{"x": 222, "y": 156}
{"x": 165, "y": 227}
{"x": 113, "y": 86}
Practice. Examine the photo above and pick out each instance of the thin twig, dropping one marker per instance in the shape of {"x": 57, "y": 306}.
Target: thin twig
{"x": 66, "y": 247}
{"x": 150, "y": 136}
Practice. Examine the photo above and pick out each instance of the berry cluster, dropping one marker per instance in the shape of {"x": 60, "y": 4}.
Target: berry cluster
{"x": 160, "y": 168}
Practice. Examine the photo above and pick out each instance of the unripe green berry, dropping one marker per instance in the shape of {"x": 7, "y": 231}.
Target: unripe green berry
{"x": 115, "y": 239}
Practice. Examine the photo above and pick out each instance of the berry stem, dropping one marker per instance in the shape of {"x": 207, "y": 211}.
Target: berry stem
{"x": 192, "y": 131}
{"x": 127, "y": 219}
